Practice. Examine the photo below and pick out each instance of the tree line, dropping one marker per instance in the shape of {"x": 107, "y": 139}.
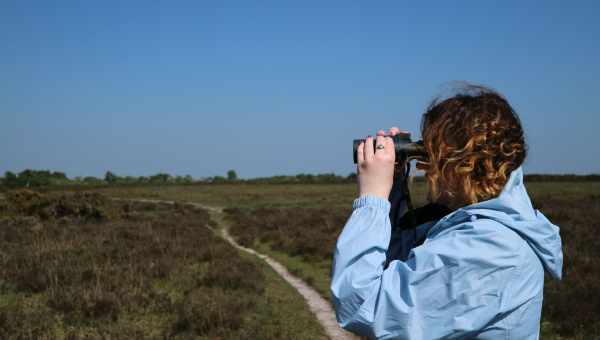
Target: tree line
{"x": 42, "y": 178}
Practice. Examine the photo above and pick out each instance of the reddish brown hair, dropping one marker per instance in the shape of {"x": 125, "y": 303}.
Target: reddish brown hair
{"x": 474, "y": 140}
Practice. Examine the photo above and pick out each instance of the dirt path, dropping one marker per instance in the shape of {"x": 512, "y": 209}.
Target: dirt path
{"x": 317, "y": 304}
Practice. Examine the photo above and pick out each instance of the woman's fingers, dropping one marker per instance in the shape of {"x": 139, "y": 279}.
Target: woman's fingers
{"x": 369, "y": 152}
{"x": 381, "y": 141}
{"x": 396, "y": 131}
{"x": 375, "y": 167}
{"x": 360, "y": 153}
{"x": 366, "y": 150}
{"x": 390, "y": 145}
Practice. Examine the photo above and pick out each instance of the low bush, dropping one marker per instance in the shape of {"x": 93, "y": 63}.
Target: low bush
{"x": 84, "y": 205}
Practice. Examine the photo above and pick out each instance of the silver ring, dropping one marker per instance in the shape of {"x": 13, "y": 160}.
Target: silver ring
{"x": 380, "y": 146}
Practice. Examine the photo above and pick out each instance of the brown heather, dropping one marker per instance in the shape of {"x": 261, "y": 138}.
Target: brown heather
{"x": 80, "y": 266}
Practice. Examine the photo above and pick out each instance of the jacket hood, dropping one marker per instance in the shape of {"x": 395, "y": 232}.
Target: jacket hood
{"x": 513, "y": 209}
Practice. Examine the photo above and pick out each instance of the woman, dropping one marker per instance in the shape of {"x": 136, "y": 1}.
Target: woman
{"x": 478, "y": 271}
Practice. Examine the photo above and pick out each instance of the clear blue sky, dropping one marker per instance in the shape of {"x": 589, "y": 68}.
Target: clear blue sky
{"x": 281, "y": 87}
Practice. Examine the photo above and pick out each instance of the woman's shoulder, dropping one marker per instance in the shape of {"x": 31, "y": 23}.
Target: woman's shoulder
{"x": 478, "y": 237}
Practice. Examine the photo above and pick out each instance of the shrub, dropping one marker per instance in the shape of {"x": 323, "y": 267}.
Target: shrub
{"x": 84, "y": 205}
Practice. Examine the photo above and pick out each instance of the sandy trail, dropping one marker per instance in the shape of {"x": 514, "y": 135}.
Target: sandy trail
{"x": 317, "y": 304}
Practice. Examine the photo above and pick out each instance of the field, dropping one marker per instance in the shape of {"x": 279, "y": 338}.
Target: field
{"x": 295, "y": 224}
{"x": 82, "y": 266}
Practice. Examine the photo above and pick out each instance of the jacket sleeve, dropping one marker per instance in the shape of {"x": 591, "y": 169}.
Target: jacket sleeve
{"x": 445, "y": 288}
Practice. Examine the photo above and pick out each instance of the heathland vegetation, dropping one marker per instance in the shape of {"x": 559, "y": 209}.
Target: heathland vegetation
{"x": 83, "y": 266}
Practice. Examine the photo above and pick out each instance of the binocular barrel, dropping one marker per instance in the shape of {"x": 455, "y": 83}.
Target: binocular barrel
{"x": 406, "y": 149}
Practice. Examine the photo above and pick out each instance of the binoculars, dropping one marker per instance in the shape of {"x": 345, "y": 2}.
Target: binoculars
{"x": 406, "y": 149}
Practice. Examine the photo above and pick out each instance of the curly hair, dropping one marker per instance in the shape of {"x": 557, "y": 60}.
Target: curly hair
{"x": 474, "y": 140}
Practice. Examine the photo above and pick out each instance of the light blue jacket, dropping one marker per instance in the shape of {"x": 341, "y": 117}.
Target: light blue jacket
{"x": 479, "y": 273}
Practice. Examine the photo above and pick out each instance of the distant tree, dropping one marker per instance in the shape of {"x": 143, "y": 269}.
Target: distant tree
{"x": 351, "y": 176}
{"x": 25, "y": 178}
{"x": 129, "y": 180}
{"x": 160, "y": 178}
{"x": 329, "y": 178}
{"x": 188, "y": 179}
{"x": 218, "y": 179}
{"x": 110, "y": 178}
{"x": 305, "y": 178}
{"x": 10, "y": 179}
{"x": 231, "y": 175}
{"x": 59, "y": 175}
{"x": 92, "y": 180}
{"x": 33, "y": 178}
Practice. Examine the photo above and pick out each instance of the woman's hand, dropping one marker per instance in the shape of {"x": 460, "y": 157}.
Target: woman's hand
{"x": 376, "y": 167}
